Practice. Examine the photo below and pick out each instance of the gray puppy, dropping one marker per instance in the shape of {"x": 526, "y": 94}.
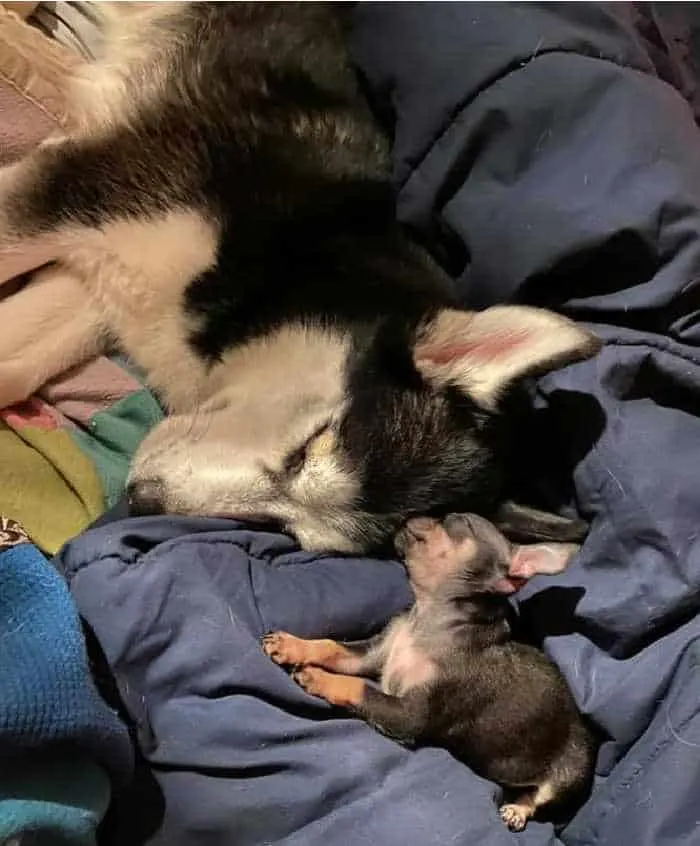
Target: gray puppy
{"x": 450, "y": 673}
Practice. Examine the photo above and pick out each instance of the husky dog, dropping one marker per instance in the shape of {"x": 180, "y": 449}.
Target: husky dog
{"x": 225, "y": 201}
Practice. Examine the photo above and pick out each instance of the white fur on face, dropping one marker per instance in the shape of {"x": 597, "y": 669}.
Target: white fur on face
{"x": 231, "y": 456}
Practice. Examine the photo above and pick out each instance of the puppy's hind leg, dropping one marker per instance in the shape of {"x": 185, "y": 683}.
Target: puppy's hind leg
{"x": 568, "y": 782}
{"x": 515, "y": 814}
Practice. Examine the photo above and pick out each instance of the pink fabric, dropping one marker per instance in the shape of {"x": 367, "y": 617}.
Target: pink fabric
{"x": 32, "y": 412}
{"x": 89, "y": 388}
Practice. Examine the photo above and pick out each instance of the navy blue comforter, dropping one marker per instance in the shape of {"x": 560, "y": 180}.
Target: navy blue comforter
{"x": 548, "y": 154}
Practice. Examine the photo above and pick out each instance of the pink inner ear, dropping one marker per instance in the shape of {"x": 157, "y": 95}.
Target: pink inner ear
{"x": 540, "y": 559}
{"x": 483, "y": 349}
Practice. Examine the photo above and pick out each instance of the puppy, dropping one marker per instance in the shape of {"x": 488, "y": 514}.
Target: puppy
{"x": 450, "y": 674}
{"x": 225, "y": 201}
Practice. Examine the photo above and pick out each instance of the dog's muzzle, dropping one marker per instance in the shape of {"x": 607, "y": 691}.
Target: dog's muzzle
{"x": 145, "y": 497}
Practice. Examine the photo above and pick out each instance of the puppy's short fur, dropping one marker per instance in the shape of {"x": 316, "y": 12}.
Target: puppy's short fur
{"x": 450, "y": 674}
{"x": 225, "y": 200}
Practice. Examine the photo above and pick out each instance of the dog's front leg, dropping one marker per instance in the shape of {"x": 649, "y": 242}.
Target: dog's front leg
{"x": 400, "y": 718}
{"x": 50, "y": 326}
{"x": 287, "y": 650}
{"x": 340, "y": 690}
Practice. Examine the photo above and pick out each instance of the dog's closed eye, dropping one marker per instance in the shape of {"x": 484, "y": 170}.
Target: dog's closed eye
{"x": 318, "y": 443}
{"x": 295, "y": 460}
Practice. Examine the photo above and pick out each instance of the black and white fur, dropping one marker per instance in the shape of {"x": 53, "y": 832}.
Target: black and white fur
{"x": 225, "y": 202}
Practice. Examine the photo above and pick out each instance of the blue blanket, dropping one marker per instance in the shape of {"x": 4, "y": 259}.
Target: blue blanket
{"x": 549, "y": 154}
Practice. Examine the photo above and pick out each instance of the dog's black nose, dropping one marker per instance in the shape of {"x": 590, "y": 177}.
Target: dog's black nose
{"x": 145, "y": 497}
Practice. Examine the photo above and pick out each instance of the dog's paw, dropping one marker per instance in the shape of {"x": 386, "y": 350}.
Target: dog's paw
{"x": 273, "y": 646}
{"x": 338, "y": 690}
{"x": 310, "y": 679}
{"x": 514, "y": 816}
{"x": 282, "y": 648}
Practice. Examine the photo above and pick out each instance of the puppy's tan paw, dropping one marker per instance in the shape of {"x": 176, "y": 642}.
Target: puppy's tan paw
{"x": 343, "y": 691}
{"x": 283, "y": 648}
{"x": 312, "y": 680}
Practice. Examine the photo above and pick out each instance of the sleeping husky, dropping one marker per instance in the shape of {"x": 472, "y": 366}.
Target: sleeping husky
{"x": 225, "y": 200}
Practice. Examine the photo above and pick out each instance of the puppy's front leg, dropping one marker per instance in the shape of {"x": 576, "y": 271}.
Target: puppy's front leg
{"x": 400, "y": 718}
{"x": 341, "y": 690}
{"x": 287, "y": 650}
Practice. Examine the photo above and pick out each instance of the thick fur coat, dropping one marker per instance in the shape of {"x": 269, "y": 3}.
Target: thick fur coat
{"x": 225, "y": 200}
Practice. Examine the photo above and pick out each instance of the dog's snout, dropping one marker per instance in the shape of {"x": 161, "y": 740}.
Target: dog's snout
{"x": 145, "y": 497}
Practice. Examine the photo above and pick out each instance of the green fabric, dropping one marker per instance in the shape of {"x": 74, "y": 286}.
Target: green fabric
{"x": 60, "y": 801}
{"x": 114, "y": 435}
{"x": 48, "y": 485}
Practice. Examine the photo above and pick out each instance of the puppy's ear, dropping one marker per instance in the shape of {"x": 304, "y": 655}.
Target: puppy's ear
{"x": 540, "y": 559}
{"x": 484, "y": 352}
{"x": 522, "y": 524}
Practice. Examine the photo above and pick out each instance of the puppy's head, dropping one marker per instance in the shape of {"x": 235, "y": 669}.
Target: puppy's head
{"x": 339, "y": 437}
{"x": 464, "y": 554}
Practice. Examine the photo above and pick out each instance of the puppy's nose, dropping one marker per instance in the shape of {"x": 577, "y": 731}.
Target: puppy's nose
{"x": 145, "y": 497}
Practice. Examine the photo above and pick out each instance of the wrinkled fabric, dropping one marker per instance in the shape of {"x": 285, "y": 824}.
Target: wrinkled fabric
{"x": 548, "y": 154}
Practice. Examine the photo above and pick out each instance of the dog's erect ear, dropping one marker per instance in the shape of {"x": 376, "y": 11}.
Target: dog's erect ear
{"x": 544, "y": 559}
{"x": 522, "y": 524}
{"x": 483, "y": 352}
